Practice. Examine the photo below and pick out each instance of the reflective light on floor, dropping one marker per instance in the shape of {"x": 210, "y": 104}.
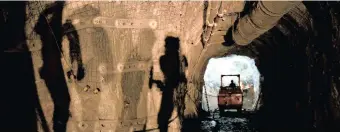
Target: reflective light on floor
{"x": 233, "y": 64}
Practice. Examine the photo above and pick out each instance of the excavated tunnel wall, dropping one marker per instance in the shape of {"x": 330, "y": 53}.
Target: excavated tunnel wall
{"x": 299, "y": 57}
{"x": 103, "y": 66}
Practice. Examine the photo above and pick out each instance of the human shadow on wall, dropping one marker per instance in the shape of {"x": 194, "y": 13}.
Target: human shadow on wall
{"x": 99, "y": 62}
{"x": 173, "y": 65}
{"x": 75, "y": 52}
{"x": 50, "y": 30}
{"x": 20, "y": 105}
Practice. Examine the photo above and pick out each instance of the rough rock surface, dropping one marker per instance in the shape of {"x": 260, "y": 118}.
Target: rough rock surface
{"x": 119, "y": 43}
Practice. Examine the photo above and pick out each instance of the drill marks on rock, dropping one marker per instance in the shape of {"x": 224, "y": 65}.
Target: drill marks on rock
{"x": 106, "y": 109}
{"x": 140, "y": 10}
{"x": 102, "y": 69}
{"x": 108, "y": 19}
{"x": 133, "y": 69}
{"x": 73, "y": 7}
{"x": 97, "y": 58}
{"x": 135, "y": 37}
{"x": 96, "y": 44}
{"x": 124, "y": 23}
{"x": 124, "y": 67}
{"x": 103, "y": 62}
{"x": 76, "y": 102}
{"x": 131, "y": 92}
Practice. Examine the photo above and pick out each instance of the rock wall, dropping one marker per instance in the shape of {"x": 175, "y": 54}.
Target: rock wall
{"x": 102, "y": 61}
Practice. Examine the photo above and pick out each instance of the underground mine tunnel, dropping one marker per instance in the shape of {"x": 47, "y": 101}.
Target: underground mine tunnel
{"x": 140, "y": 66}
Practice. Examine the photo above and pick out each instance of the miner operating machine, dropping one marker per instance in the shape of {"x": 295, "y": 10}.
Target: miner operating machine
{"x": 230, "y": 97}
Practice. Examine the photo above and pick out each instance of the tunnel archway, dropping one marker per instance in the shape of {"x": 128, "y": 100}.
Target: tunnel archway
{"x": 212, "y": 92}
{"x": 297, "y": 62}
{"x": 231, "y": 65}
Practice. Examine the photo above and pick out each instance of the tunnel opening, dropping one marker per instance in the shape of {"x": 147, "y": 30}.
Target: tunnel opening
{"x": 213, "y": 99}
{"x": 231, "y": 65}
{"x": 299, "y": 58}
{"x": 284, "y": 94}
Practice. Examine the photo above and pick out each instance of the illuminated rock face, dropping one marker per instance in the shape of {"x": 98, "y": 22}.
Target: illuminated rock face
{"x": 118, "y": 43}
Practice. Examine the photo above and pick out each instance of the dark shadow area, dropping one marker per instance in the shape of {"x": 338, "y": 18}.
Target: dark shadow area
{"x": 325, "y": 58}
{"x": 20, "y": 106}
{"x": 306, "y": 56}
{"x": 50, "y": 30}
{"x": 234, "y": 114}
{"x": 173, "y": 89}
{"x": 248, "y": 7}
{"x": 103, "y": 58}
{"x": 95, "y": 40}
{"x": 75, "y": 51}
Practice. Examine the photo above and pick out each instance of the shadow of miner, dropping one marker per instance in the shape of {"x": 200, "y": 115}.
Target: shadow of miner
{"x": 50, "y": 30}
{"x": 20, "y": 105}
{"x": 174, "y": 86}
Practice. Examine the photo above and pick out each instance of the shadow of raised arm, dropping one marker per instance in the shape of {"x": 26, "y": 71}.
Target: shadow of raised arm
{"x": 159, "y": 83}
{"x": 75, "y": 51}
